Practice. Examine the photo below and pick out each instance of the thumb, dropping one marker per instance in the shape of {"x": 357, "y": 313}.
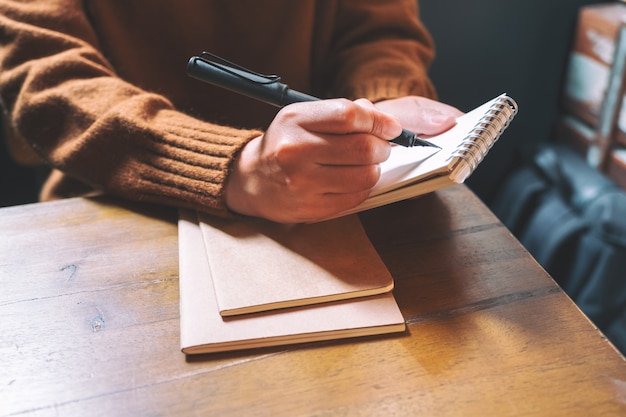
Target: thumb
{"x": 383, "y": 125}
{"x": 434, "y": 122}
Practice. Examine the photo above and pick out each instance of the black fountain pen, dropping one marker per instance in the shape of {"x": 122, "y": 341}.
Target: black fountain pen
{"x": 266, "y": 88}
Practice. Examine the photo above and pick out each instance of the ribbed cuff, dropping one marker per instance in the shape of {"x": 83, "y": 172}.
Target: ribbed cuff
{"x": 188, "y": 163}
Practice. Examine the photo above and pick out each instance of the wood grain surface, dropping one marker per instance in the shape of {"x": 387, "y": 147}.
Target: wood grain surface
{"x": 89, "y": 325}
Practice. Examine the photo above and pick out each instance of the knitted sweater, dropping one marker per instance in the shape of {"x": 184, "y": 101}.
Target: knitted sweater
{"x": 97, "y": 90}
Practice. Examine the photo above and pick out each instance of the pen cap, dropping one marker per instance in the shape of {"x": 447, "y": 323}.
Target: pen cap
{"x": 245, "y": 83}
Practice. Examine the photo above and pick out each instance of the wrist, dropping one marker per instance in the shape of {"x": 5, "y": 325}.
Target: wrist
{"x": 239, "y": 188}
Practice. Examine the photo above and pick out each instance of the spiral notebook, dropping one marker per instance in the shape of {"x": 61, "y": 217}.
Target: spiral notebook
{"x": 411, "y": 172}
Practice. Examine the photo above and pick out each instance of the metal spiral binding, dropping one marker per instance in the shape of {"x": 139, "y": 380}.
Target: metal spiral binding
{"x": 487, "y": 131}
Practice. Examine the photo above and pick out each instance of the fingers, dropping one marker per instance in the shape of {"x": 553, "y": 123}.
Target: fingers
{"x": 323, "y": 192}
{"x": 434, "y": 122}
{"x": 328, "y": 150}
{"x": 382, "y": 125}
{"x": 342, "y": 116}
{"x": 319, "y": 158}
{"x": 333, "y": 179}
{"x": 314, "y": 160}
{"x": 421, "y": 115}
{"x": 333, "y": 132}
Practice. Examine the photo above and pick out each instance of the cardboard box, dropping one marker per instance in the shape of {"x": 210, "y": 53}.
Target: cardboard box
{"x": 591, "y": 60}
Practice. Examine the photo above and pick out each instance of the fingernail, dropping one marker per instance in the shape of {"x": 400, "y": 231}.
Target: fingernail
{"x": 439, "y": 119}
{"x": 392, "y": 130}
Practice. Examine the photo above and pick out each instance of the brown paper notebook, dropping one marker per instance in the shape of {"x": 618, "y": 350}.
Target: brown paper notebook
{"x": 259, "y": 265}
{"x": 204, "y": 330}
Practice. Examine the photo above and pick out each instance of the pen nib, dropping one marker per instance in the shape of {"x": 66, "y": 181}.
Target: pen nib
{"x": 417, "y": 141}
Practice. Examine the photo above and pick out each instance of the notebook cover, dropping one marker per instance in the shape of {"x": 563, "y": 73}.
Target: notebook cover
{"x": 204, "y": 330}
{"x": 258, "y": 265}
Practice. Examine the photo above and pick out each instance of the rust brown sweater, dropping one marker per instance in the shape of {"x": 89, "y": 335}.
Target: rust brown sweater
{"x": 98, "y": 91}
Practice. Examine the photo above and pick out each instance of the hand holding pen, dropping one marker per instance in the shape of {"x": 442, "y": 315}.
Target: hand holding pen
{"x": 266, "y": 88}
{"x": 315, "y": 159}
{"x": 306, "y": 166}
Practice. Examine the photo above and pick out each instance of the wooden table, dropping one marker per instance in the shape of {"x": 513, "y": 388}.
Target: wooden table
{"x": 89, "y": 325}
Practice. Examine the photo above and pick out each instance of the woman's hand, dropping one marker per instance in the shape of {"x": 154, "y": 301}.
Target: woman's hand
{"x": 314, "y": 160}
{"x": 319, "y": 158}
{"x": 421, "y": 115}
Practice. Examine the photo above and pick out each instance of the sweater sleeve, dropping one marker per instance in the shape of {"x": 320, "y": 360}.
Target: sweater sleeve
{"x": 379, "y": 50}
{"x": 64, "y": 99}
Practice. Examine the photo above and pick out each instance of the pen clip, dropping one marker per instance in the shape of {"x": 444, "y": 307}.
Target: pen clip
{"x": 224, "y": 65}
